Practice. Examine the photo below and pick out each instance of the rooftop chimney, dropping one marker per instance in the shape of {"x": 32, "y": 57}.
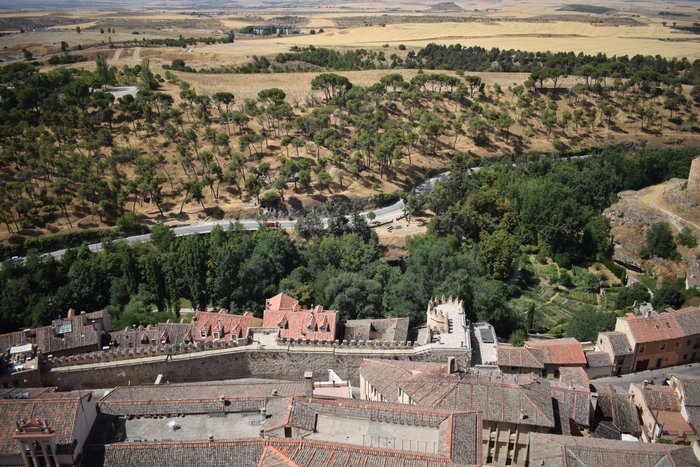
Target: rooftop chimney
{"x": 71, "y": 313}
{"x": 451, "y": 365}
{"x": 308, "y": 384}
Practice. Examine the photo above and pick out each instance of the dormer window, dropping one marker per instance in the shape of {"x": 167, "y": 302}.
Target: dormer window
{"x": 64, "y": 327}
{"x": 203, "y": 333}
{"x": 216, "y": 335}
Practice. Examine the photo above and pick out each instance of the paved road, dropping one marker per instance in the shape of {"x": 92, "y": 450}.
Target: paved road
{"x": 383, "y": 215}
{"x": 386, "y": 214}
{"x": 622, "y": 383}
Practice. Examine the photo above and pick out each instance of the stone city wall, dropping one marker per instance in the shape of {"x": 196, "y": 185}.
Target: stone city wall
{"x": 237, "y": 362}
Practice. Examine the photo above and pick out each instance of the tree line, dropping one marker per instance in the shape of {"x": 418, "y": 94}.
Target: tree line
{"x": 483, "y": 225}
{"x": 457, "y": 57}
{"x": 71, "y": 150}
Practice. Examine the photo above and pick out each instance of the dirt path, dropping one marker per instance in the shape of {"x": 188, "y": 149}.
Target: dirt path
{"x": 654, "y": 198}
{"x": 117, "y": 55}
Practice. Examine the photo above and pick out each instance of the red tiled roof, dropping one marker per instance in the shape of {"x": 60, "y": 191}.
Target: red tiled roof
{"x": 282, "y": 302}
{"x": 228, "y": 325}
{"x": 72, "y": 332}
{"x": 519, "y": 357}
{"x": 598, "y": 359}
{"x": 576, "y": 376}
{"x": 661, "y": 398}
{"x": 261, "y": 452}
{"x": 573, "y": 395}
{"x": 283, "y": 312}
{"x": 193, "y": 398}
{"x": 657, "y": 327}
{"x": 271, "y": 457}
{"x": 521, "y": 399}
{"x": 59, "y": 410}
{"x": 552, "y": 450}
{"x": 385, "y": 375}
{"x": 565, "y": 351}
{"x": 664, "y": 326}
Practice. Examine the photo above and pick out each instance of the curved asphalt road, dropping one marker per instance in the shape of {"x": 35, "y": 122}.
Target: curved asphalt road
{"x": 383, "y": 215}
{"x": 386, "y": 214}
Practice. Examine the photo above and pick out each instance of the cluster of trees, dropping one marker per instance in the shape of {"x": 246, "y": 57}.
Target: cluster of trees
{"x": 55, "y": 129}
{"x": 659, "y": 241}
{"x": 483, "y": 223}
{"x": 186, "y": 41}
{"x": 456, "y": 57}
{"x": 555, "y": 205}
{"x": 594, "y": 68}
{"x": 355, "y": 59}
{"x": 235, "y": 269}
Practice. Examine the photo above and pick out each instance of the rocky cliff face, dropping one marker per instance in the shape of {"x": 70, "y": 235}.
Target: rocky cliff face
{"x": 636, "y": 211}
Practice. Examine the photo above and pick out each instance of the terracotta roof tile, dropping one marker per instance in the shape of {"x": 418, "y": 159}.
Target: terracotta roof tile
{"x": 661, "y": 398}
{"x": 561, "y": 451}
{"x": 283, "y": 312}
{"x": 62, "y": 335}
{"x": 230, "y": 327}
{"x": 615, "y": 414}
{"x": 194, "y": 398}
{"x": 519, "y": 357}
{"x": 619, "y": 342}
{"x": 598, "y": 359}
{"x": 572, "y": 403}
{"x": 254, "y": 452}
{"x": 281, "y": 302}
{"x": 522, "y": 399}
{"x": 575, "y": 376}
{"x": 59, "y": 410}
{"x": 664, "y": 326}
{"x": 459, "y": 431}
{"x": 385, "y": 375}
{"x": 684, "y": 457}
{"x": 565, "y": 351}
{"x": 657, "y": 327}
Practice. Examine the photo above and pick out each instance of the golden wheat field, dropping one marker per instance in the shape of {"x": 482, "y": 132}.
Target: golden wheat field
{"x": 559, "y": 36}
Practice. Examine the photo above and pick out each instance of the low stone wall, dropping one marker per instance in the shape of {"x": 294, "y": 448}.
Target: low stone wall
{"x": 114, "y": 355}
{"x": 237, "y": 362}
{"x": 345, "y": 343}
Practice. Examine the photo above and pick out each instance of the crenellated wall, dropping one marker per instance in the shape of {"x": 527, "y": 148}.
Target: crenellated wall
{"x": 283, "y": 362}
{"x": 266, "y": 356}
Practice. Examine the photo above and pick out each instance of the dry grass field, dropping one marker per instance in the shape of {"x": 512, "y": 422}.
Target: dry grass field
{"x": 558, "y": 36}
{"x": 530, "y": 26}
{"x": 510, "y": 24}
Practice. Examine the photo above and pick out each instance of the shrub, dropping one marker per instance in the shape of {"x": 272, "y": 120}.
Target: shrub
{"x": 129, "y": 224}
{"x": 385, "y": 199}
{"x": 668, "y": 295}
{"x": 615, "y": 268}
{"x": 686, "y": 238}
{"x": 586, "y": 324}
{"x": 629, "y": 295}
{"x": 659, "y": 242}
{"x": 517, "y": 338}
